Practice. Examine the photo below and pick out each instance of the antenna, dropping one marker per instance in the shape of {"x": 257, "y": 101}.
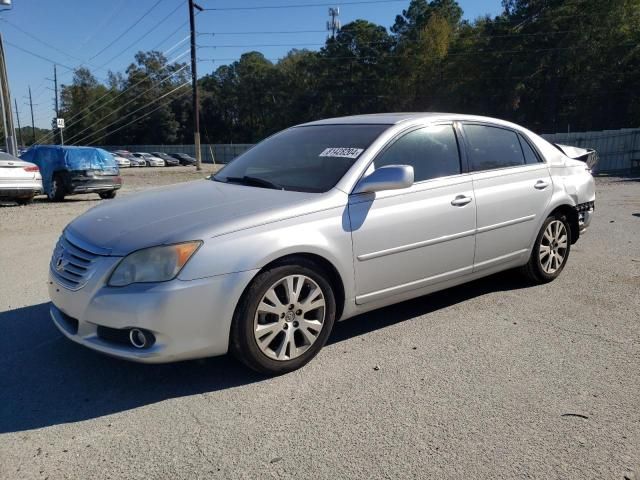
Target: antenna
{"x": 334, "y": 24}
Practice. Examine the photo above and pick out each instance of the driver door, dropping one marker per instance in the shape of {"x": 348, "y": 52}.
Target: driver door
{"x": 407, "y": 239}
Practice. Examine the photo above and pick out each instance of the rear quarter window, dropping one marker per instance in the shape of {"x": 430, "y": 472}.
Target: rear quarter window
{"x": 492, "y": 147}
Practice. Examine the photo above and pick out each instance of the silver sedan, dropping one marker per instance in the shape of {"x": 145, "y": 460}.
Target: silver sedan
{"x": 316, "y": 224}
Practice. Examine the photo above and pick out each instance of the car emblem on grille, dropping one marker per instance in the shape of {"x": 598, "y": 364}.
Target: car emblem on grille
{"x": 61, "y": 263}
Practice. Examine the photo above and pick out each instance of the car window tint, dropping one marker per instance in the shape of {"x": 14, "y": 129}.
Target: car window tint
{"x": 530, "y": 156}
{"x": 309, "y": 158}
{"x": 492, "y": 147}
{"x": 431, "y": 151}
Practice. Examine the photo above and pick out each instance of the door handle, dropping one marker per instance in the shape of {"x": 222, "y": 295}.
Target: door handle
{"x": 461, "y": 201}
{"x": 541, "y": 185}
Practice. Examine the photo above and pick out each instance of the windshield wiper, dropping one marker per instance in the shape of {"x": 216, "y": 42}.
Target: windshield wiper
{"x": 261, "y": 182}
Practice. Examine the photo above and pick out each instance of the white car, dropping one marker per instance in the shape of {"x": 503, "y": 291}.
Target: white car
{"x": 122, "y": 162}
{"x": 19, "y": 181}
{"x": 149, "y": 159}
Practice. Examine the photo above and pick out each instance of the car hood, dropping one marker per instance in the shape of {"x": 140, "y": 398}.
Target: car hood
{"x": 190, "y": 211}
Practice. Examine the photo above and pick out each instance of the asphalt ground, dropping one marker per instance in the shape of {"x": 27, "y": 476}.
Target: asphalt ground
{"x": 493, "y": 379}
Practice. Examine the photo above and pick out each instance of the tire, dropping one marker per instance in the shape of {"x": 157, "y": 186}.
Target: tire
{"x": 24, "y": 200}
{"x": 56, "y": 193}
{"x": 290, "y": 337}
{"x": 541, "y": 267}
{"x": 107, "y": 195}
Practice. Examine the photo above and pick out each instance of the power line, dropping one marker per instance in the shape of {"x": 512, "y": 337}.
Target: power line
{"x": 301, "y": 5}
{"x": 42, "y": 42}
{"x": 99, "y": 29}
{"x": 127, "y": 30}
{"x": 125, "y": 104}
{"x": 131, "y": 113}
{"x": 89, "y": 111}
{"x": 38, "y": 55}
{"x": 136, "y": 41}
{"x": 281, "y": 32}
{"x": 83, "y": 140}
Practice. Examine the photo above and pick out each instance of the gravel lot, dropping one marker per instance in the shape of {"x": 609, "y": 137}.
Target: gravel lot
{"x": 494, "y": 379}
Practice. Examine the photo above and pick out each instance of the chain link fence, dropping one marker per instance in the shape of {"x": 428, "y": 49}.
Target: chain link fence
{"x": 219, "y": 153}
{"x": 616, "y": 148}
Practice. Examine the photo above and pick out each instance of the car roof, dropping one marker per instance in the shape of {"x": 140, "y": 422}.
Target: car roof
{"x": 395, "y": 118}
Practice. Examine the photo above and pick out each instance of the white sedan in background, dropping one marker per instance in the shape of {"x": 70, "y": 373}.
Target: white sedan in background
{"x": 149, "y": 159}
{"x": 19, "y": 181}
{"x": 122, "y": 162}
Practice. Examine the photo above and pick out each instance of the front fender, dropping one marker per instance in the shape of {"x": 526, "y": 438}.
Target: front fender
{"x": 321, "y": 233}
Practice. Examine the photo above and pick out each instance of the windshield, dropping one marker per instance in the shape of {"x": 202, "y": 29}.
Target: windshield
{"x": 303, "y": 159}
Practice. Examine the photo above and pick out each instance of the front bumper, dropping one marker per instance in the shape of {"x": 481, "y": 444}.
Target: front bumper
{"x": 189, "y": 319}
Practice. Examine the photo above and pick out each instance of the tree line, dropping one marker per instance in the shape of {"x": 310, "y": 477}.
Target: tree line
{"x": 550, "y": 65}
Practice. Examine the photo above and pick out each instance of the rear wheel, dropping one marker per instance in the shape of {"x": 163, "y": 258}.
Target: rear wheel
{"x": 24, "y": 200}
{"x": 284, "y": 318}
{"x": 56, "y": 192}
{"x": 108, "y": 195}
{"x": 551, "y": 250}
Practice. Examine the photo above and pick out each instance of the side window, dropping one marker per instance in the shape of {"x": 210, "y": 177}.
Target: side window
{"x": 530, "y": 156}
{"x": 492, "y": 147}
{"x": 431, "y": 151}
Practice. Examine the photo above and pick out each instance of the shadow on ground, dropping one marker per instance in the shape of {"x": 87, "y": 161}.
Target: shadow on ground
{"x": 47, "y": 380}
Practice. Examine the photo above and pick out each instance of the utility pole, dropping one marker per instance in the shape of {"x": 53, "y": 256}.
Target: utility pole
{"x": 334, "y": 24}
{"x": 19, "y": 127}
{"x": 5, "y": 97}
{"x": 194, "y": 84}
{"x": 55, "y": 86}
{"x": 33, "y": 124}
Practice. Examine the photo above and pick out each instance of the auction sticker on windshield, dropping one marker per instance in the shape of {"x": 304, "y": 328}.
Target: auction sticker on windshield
{"x": 342, "y": 152}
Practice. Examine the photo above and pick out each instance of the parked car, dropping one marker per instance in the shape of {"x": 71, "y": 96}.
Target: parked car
{"x": 149, "y": 159}
{"x": 318, "y": 223}
{"x": 133, "y": 161}
{"x": 184, "y": 159}
{"x": 72, "y": 170}
{"x": 20, "y": 181}
{"x": 123, "y": 162}
{"x": 168, "y": 159}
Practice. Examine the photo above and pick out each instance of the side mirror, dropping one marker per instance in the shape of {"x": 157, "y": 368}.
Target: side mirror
{"x": 391, "y": 177}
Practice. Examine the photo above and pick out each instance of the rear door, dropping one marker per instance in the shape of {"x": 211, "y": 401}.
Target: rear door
{"x": 408, "y": 239}
{"x": 512, "y": 188}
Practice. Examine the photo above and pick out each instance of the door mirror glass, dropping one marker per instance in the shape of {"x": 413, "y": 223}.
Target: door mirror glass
{"x": 390, "y": 177}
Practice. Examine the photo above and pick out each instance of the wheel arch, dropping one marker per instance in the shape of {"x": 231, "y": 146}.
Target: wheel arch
{"x": 333, "y": 276}
{"x": 572, "y": 216}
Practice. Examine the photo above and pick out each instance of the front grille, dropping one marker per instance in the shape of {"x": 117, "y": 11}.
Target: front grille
{"x": 71, "y": 265}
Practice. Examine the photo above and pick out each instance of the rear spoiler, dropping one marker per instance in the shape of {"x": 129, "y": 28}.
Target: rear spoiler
{"x": 586, "y": 155}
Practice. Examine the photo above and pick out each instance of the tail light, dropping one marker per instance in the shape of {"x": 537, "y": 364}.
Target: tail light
{"x": 31, "y": 168}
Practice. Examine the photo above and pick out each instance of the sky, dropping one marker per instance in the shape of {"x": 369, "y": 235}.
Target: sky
{"x": 105, "y": 35}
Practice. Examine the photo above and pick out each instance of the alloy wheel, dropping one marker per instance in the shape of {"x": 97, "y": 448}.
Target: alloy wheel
{"x": 553, "y": 247}
{"x": 289, "y": 317}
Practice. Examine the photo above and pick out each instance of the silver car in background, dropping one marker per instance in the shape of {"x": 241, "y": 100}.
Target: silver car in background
{"x": 123, "y": 162}
{"x": 316, "y": 224}
{"x": 20, "y": 181}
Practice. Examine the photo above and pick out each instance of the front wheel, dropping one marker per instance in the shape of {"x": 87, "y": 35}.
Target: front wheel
{"x": 107, "y": 195}
{"x": 284, "y": 318}
{"x": 551, "y": 250}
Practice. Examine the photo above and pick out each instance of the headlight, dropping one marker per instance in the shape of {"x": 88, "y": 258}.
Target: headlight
{"x": 155, "y": 264}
